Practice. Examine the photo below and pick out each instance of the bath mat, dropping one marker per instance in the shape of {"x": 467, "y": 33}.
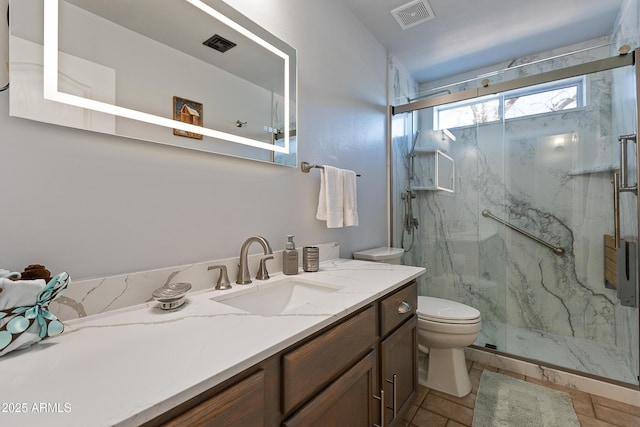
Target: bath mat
{"x": 504, "y": 401}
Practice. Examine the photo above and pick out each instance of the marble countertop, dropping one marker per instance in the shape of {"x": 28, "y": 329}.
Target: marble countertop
{"x": 128, "y": 366}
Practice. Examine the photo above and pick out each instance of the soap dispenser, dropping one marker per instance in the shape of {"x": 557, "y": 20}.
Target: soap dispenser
{"x": 290, "y": 257}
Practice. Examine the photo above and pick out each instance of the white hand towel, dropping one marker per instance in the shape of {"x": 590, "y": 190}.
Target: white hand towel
{"x": 350, "y": 199}
{"x": 19, "y": 293}
{"x": 331, "y": 197}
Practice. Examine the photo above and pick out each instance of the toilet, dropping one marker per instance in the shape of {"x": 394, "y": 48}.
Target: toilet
{"x": 445, "y": 328}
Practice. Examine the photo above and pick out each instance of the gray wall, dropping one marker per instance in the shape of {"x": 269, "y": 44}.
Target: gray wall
{"x": 92, "y": 204}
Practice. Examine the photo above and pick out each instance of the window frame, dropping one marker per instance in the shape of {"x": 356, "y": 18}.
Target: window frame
{"x": 578, "y": 82}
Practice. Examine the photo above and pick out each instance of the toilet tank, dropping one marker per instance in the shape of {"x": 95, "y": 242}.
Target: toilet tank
{"x": 383, "y": 254}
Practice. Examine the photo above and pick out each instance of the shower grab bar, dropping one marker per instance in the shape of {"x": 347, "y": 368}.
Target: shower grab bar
{"x": 555, "y": 249}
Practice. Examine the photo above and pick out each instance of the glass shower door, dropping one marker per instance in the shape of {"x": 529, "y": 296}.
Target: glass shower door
{"x": 546, "y": 209}
{"x": 493, "y": 255}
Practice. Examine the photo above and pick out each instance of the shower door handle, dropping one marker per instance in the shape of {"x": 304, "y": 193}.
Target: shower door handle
{"x": 616, "y": 211}
{"x": 623, "y": 183}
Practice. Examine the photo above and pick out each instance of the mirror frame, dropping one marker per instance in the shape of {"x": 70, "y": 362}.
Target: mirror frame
{"x": 51, "y": 92}
{"x": 225, "y": 14}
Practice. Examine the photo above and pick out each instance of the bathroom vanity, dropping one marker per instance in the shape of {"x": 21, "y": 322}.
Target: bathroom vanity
{"x": 343, "y": 375}
{"x": 336, "y": 360}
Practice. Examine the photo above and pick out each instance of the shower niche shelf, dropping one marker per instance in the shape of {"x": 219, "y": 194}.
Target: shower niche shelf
{"x": 433, "y": 171}
{"x": 594, "y": 170}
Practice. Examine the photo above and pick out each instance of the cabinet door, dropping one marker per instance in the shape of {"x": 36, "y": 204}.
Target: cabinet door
{"x": 347, "y": 402}
{"x": 312, "y": 366}
{"x": 242, "y": 404}
{"x": 399, "y": 370}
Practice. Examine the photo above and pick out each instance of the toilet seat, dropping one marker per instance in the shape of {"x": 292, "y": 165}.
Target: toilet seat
{"x": 440, "y": 310}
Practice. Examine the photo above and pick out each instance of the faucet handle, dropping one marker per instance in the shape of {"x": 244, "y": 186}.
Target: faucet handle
{"x": 223, "y": 278}
{"x": 263, "y": 274}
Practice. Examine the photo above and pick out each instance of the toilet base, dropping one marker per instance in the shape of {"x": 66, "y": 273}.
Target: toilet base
{"x": 447, "y": 371}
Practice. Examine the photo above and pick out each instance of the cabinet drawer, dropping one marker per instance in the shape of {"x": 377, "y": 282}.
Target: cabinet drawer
{"x": 222, "y": 409}
{"x": 398, "y": 307}
{"x": 311, "y": 366}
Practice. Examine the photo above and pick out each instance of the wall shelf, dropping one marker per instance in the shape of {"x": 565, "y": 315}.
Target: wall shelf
{"x": 434, "y": 171}
{"x": 593, "y": 170}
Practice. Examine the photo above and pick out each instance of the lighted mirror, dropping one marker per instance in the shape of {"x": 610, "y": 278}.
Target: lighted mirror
{"x": 187, "y": 73}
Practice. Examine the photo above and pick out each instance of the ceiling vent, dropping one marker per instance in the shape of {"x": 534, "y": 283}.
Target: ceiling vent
{"x": 219, "y": 43}
{"x": 412, "y": 14}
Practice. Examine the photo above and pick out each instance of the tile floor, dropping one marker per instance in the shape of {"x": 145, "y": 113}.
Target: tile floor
{"x": 435, "y": 409}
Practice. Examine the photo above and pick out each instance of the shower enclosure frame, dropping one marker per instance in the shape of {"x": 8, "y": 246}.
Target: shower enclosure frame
{"x": 622, "y": 60}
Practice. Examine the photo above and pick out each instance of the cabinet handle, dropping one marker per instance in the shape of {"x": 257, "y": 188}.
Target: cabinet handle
{"x": 382, "y": 407}
{"x": 404, "y": 307}
{"x": 394, "y": 406}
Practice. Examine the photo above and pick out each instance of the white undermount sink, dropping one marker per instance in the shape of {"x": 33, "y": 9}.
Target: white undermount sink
{"x": 270, "y": 299}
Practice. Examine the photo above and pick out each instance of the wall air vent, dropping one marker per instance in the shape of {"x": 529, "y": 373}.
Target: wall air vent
{"x": 412, "y": 14}
{"x": 219, "y": 43}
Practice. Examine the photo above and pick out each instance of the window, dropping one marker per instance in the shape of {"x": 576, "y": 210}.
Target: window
{"x": 545, "y": 98}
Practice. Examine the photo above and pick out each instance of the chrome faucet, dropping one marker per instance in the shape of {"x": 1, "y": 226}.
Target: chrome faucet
{"x": 244, "y": 277}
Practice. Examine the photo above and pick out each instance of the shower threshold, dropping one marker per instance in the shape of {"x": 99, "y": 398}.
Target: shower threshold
{"x": 578, "y": 354}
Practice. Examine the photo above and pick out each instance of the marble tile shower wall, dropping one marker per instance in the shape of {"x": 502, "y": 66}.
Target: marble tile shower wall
{"x": 625, "y": 30}
{"x": 514, "y": 170}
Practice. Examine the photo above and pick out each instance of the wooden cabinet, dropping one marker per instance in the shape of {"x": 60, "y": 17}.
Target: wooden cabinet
{"x": 396, "y": 373}
{"x": 399, "y": 353}
{"x": 224, "y": 409}
{"x": 347, "y": 402}
{"x": 313, "y": 365}
{"x": 398, "y": 370}
{"x": 251, "y": 398}
{"x": 341, "y": 376}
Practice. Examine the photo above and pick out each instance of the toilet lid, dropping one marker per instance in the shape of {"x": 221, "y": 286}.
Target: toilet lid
{"x": 442, "y": 310}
